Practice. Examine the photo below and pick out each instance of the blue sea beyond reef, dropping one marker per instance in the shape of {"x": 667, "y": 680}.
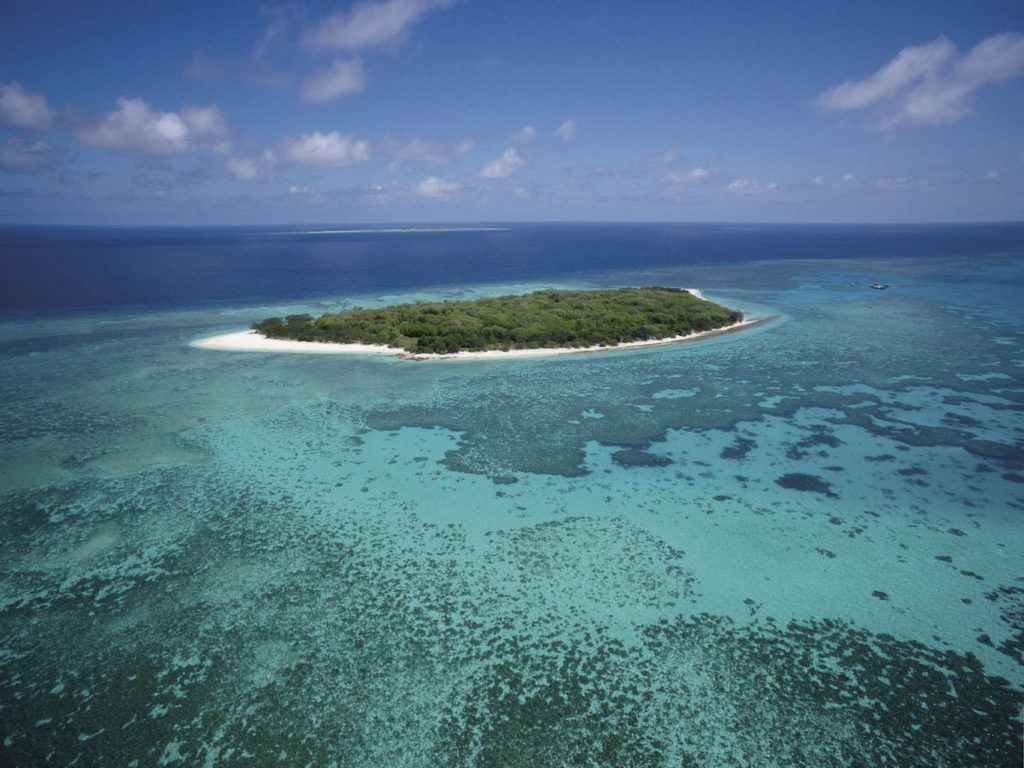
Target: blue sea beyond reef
{"x": 795, "y": 545}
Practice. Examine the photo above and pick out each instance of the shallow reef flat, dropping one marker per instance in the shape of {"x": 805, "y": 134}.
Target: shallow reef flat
{"x": 798, "y": 545}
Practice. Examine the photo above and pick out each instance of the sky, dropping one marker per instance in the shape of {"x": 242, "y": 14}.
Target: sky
{"x": 416, "y": 111}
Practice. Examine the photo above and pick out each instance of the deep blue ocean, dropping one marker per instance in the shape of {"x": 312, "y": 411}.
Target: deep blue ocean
{"x": 800, "y": 544}
{"x": 80, "y": 268}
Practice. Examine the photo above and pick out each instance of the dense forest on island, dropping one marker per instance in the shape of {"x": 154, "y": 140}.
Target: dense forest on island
{"x": 548, "y": 318}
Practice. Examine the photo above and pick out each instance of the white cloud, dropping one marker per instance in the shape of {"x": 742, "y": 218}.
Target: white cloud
{"x": 243, "y": 168}
{"x": 20, "y": 156}
{"x": 325, "y": 149}
{"x": 893, "y": 183}
{"x": 343, "y": 76}
{"x": 693, "y": 177}
{"x": 930, "y": 84}
{"x": 846, "y": 180}
{"x": 308, "y": 194}
{"x": 437, "y": 188}
{"x": 375, "y": 194}
{"x": 503, "y": 166}
{"x": 749, "y": 187}
{"x": 912, "y": 63}
{"x": 24, "y": 109}
{"x": 566, "y": 131}
{"x": 281, "y": 19}
{"x": 996, "y": 58}
{"x": 135, "y": 127}
{"x": 901, "y": 184}
{"x": 416, "y": 150}
{"x": 207, "y": 126}
{"x": 369, "y": 24}
{"x": 259, "y": 168}
{"x": 524, "y": 135}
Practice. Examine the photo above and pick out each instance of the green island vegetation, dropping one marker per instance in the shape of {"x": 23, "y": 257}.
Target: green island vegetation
{"x": 548, "y": 318}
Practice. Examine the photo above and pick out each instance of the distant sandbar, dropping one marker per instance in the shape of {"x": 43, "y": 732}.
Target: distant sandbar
{"x": 390, "y": 230}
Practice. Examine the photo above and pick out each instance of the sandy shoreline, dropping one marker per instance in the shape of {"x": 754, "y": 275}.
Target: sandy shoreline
{"x": 392, "y": 231}
{"x": 251, "y": 341}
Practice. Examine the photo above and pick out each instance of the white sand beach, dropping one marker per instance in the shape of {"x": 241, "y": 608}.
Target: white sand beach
{"x": 251, "y": 341}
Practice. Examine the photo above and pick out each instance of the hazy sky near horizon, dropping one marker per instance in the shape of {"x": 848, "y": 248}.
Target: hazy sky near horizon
{"x": 475, "y": 110}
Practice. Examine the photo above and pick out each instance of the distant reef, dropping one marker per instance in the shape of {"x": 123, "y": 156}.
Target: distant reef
{"x": 539, "y": 320}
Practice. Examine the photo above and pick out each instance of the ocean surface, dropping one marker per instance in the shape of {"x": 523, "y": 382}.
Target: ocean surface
{"x": 796, "y": 545}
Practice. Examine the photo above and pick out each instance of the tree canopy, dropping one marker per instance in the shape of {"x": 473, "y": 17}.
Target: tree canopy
{"x": 548, "y": 318}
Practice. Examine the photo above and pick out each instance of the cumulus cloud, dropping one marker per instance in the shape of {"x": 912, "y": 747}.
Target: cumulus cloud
{"x": 693, "y": 177}
{"x": 23, "y": 109}
{"x": 325, "y": 149}
{"x": 846, "y": 180}
{"x": 243, "y": 168}
{"x": 316, "y": 149}
{"x": 566, "y": 131}
{"x": 749, "y": 187}
{"x": 20, "y": 156}
{"x": 901, "y": 184}
{"x": 524, "y": 135}
{"x": 307, "y": 193}
{"x": 666, "y": 158}
{"x": 207, "y": 126}
{"x": 375, "y": 194}
{"x": 342, "y": 77}
{"x": 930, "y": 84}
{"x": 369, "y": 24}
{"x": 416, "y": 150}
{"x": 503, "y": 166}
{"x": 137, "y": 128}
{"x": 257, "y": 168}
{"x": 437, "y": 188}
{"x": 893, "y": 183}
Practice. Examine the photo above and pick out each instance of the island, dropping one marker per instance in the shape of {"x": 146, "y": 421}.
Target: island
{"x": 564, "y": 320}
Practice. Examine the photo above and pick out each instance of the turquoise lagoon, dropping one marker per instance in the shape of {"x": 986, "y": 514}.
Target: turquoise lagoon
{"x": 798, "y": 545}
